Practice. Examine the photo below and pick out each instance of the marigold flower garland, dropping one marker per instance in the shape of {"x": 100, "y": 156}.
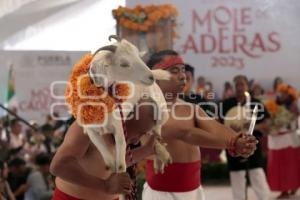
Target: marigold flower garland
{"x": 80, "y": 89}
{"x": 142, "y": 18}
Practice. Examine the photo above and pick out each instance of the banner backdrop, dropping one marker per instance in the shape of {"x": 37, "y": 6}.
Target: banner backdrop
{"x": 223, "y": 38}
{"x": 38, "y": 81}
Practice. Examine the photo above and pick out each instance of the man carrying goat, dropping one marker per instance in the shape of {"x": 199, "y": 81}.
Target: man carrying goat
{"x": 97, "y": 95}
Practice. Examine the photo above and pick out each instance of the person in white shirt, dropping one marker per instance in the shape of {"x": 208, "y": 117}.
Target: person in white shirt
{"x": 16, "y": 136}
{"x": 39, "y": 182}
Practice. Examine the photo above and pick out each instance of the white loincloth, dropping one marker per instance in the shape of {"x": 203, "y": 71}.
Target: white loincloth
{"x": 150, "y": 194}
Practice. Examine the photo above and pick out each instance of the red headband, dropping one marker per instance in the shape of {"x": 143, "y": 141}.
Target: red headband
{"x": 168, "y": 61}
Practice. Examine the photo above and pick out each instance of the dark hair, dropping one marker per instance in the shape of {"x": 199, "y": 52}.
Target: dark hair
{"x": 189, "y": 68}
{"x": 16, "y": 162}
{"x": 1, "y": 165}
{"x": 13, "y": 121}
{"x": 1, "y": 170}
{"x": 276, "y": 82}
{"x": 201, "y": 78}
{"x": 241, "y": 77}
{"x": 158, "y": 56}
{"x": 227, "y": 84}
{"x": 43, "y": 159}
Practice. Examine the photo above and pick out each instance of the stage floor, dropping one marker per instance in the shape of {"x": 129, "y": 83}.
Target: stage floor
{"x": 224, "y": 193}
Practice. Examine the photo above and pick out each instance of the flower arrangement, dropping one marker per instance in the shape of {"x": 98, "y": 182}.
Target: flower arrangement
{"x": 285, "y": 88}
{"x": 142, "y": 18}
{"x": 80, "y": 88}
{"x": 280, "y": 116}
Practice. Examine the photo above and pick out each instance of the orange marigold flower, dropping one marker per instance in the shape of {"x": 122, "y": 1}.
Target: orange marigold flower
{"x": 148, "y": 23}
{"x": 88, "y": 103}
{"x": 272, "y": 106}
{"x": 285, "y": 88}
{"x": 153, "y": 13}
{"x": 143, "y": 28}
{"x": 134, "y": 26}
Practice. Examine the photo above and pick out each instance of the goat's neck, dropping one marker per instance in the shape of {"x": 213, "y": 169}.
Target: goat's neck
{"x": 133, "y": 99}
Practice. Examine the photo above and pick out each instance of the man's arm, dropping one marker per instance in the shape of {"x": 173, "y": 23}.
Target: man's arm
{"x": 195, "y": 136}
{"x": 209, "y": 133}
{"x": 142, "y": 122}
{"x": 142, "y": 152}
{"x": 223, "y": 136}
{"x": 221, "y": 133}
{"x": 65, "y": 164}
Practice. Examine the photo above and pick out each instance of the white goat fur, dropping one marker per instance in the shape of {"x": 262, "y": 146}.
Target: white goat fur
{"x": 125, "y": 65}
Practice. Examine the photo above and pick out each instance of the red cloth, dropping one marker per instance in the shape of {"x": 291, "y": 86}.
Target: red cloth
{"x": 178, "y": 177}
{"x": 59, "y": 195}
{"x": 298, "y": 163}
{"x": 283, "y": 169}
{"x": 169, "y": 61}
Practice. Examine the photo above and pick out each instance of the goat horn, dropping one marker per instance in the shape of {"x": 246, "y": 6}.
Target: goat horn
{"x": 111, "y": 48}
{"x": 114, "y": 37}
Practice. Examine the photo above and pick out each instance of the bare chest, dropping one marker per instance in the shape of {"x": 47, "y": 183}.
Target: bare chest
{"x": 92, "y": 161}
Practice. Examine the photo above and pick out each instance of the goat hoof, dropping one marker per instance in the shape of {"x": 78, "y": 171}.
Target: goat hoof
{"x": 107, "y": 167}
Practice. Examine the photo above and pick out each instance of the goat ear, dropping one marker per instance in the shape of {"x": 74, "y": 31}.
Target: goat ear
{"x": 98, "y": 71}
{"x": 142, "y": 53}
{"x": 98, "y": 78}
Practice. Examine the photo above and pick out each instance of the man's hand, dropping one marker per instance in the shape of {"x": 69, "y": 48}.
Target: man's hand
{"x": 245, "y": 145}
{"x": 118, "y": 184}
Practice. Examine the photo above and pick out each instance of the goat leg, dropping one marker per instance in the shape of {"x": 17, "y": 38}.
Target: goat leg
{"x": 162, "y": 156}
{"x": 98, "y": 141}
{"x": 120, "y": 141}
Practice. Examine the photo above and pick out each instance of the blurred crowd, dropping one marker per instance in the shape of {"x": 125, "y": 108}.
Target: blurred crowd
{"x": 25, "y": 157}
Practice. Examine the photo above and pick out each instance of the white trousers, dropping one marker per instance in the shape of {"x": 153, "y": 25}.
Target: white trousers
{"x": 150, "y": 194}
{"x": 258, "y": 183}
